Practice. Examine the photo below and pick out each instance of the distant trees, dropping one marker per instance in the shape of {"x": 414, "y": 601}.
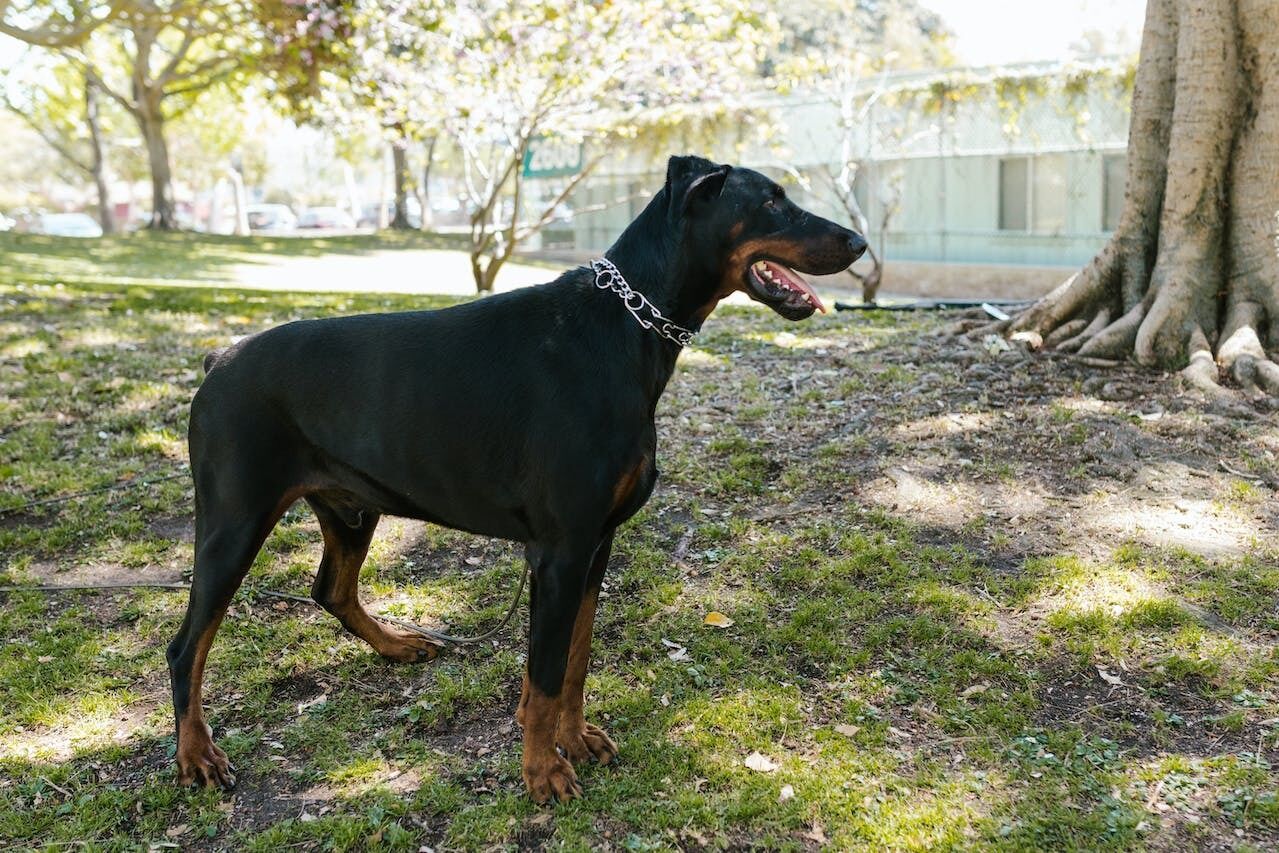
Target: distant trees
{"x": 487, "y": 86}
{"x": 63, "y": 106}
{"x": 497, "y": 78}
{"x": 155, "y": 58}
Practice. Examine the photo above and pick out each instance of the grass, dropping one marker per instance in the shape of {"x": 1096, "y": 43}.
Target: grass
{"x": 925, "y": 672}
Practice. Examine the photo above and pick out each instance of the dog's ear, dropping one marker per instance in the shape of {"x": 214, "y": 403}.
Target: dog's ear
{"x": 693, "y": 179}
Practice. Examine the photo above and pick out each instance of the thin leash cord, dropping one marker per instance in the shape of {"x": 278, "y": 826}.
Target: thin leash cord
{"x": 429, "y": 633}
{"x": 114, "y": 487}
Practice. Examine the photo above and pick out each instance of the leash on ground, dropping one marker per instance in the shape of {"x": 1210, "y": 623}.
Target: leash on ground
{"x": 429, "y": 633}
{"x": 114, "y": 487}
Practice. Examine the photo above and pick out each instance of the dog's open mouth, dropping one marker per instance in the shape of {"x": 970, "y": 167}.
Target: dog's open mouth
{"x": 783, "y": 290}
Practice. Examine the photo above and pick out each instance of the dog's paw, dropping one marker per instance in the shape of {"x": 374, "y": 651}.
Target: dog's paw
{"x": 203, "y": 764}
{"x": 551, "y": 778}
{"x": 406, "y": 647}
{"x": 587, "y": 741}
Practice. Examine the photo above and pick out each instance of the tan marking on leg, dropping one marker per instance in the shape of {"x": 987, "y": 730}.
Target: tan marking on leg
{"x": 626, "y": 485}
{"x": 200, "y": 761}
{"x": 546, "y": 773}
{"x": 519, "y": 709}
{"x": 579, "y": 739}
{"x": 341, "y": 565}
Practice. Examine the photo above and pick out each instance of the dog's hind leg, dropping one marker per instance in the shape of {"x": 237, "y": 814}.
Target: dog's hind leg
{"x": 336, "y": 586}
{"x": 229, "y": 534}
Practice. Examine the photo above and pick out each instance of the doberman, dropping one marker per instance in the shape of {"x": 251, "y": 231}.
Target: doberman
{"x": 527, "y": 416}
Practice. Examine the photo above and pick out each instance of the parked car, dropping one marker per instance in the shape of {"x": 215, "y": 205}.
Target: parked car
{"x": 271, "y": 218}
{"x": 66, "y": 225}
{"x": 325, "y": 217}
{"x": 413, "y": 209}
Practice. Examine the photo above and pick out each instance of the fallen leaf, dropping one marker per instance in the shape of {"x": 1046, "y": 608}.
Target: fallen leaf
{"x": 677, "y": 652}
{"x": 306, "y": 817}
{"x": 787, "y": 793}
{"x": 847, "y": 730}
{"x": 1110, "y": 678}
{"x": 760, "y": 763}
{"x": 975, "y": 689}
{"x": 175, "y": 831}
{"x": 717, "y": 620}
{"x": 311, "y": 703}
{"x": 44, "y": 658}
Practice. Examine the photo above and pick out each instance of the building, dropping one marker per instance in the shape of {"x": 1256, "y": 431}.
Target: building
{"x": 979, "y": 181}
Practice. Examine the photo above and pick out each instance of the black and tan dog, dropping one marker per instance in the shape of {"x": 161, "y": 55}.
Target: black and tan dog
{"x": 526, "y": 416}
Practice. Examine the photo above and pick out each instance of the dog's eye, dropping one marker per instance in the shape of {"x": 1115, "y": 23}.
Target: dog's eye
{"x": 771, "y": 204}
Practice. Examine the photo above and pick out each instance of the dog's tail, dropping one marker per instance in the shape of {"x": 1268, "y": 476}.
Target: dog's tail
{"x": 211, "y": 360}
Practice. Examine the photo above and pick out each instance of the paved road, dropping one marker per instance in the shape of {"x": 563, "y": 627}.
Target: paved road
{"x": 390, "y": 271}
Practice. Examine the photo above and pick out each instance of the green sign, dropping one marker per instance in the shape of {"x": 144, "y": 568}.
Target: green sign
{"x": 547, "y": 157}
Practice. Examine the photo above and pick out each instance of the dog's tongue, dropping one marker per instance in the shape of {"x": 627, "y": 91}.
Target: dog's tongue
{"x": 795, "y": 281}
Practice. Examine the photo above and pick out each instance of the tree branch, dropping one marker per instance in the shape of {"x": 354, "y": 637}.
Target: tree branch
{"x": 54, "y": 32}
{"x": 48, "y": 140}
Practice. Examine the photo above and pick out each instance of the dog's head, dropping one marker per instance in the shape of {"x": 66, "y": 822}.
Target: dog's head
{"x": 753, "y": 238}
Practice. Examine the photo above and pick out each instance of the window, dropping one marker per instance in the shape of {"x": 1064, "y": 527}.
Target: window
{"x": 1048, "y": 194}
{"x": 1115, "y": 176}
{"x": 1014, "y": 189}
{"x": 1032, "y": 194}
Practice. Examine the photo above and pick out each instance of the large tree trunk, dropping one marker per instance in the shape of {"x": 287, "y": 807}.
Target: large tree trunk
{"x": 150, "y": 120}
{"x": 97, "y": 163}
{"x": 1191, "y": 276}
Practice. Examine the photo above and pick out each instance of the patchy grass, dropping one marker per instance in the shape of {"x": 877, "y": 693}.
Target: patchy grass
{"x": 974, "y": 606}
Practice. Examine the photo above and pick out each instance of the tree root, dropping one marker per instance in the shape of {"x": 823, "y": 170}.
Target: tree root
{"x": 1241, "y": 353}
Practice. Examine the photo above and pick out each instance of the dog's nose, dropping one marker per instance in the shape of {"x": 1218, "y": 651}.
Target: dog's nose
{"x": 856, "y": 244}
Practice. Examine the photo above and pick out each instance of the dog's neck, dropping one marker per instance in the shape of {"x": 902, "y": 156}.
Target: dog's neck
{"x": 651, "y": 256}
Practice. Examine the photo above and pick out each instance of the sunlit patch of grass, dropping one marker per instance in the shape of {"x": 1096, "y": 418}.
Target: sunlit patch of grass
{"x": 894, "y": 668}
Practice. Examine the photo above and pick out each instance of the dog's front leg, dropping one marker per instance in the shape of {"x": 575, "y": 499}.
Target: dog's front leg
{"x": 559, "y": 580}
{"x": 579, "y": 739}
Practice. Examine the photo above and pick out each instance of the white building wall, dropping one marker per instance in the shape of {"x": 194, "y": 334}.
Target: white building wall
{"x": 944, "y": 169}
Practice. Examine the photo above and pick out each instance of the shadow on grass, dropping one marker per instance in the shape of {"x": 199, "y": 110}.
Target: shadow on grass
{"x": 918, "y": 654}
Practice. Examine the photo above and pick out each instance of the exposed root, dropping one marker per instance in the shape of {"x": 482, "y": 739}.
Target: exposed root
{"x": 1073, "y": 297}
{"x": 1201, "y": 372}
{"x": 1101, "y": 321}
{"x": 1117, "y": 339}
{"x": 1065, "y": 332}
{"x": 1242, "y": 354}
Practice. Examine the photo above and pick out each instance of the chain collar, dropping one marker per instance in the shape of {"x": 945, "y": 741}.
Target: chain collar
{"x": 609, "y": 277}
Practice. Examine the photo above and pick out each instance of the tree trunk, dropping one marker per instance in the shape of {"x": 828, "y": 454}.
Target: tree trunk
{"x": 400, "y": 167}
{"x": 424, "y": 192}
{"x": 97, "y": 164}
{"x": 150, "y": 120}
{"x": 1190, "y": 278}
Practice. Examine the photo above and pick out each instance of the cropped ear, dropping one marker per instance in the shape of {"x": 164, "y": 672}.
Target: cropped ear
{"x": 691, "y": 179}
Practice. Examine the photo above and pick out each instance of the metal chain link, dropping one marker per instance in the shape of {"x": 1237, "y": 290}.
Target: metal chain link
{"x": 609, "y": 277}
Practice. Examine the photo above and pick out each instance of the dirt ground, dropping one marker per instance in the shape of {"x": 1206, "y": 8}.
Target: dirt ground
{"x": 1051, "y": 583}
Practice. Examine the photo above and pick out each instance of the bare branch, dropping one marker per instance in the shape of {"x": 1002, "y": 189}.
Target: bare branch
{"x": 51, "y": 141}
